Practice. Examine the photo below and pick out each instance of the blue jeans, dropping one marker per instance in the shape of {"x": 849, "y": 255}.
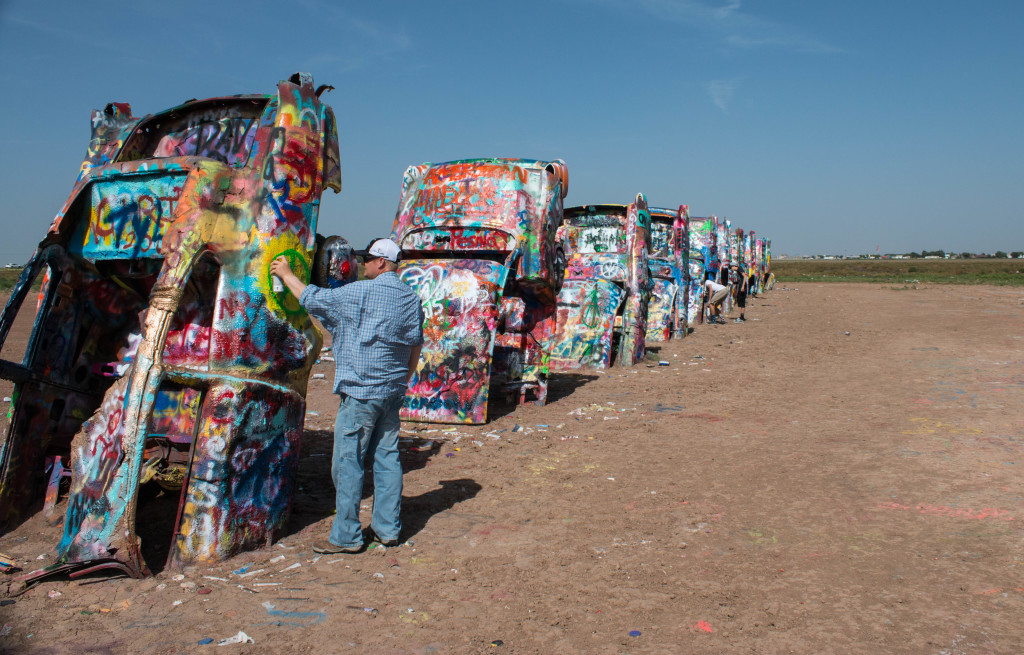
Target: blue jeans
{"x": 366, "y": 430}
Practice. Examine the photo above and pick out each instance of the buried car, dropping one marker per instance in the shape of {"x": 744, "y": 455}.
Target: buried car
{"x": 666, "y": 315}
{"x": 602, "y": 307}
{"x": 164, "y": 374}
{"x": 703, "y": 262}
{"x": 478, "y": 246}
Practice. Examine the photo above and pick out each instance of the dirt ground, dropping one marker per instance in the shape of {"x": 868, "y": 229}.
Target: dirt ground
{"x": 840, "y": 474}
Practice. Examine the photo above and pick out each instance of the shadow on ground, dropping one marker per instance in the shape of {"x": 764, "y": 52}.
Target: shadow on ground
{"x": 560, "y": 386}
{"x": 314, "y": 493}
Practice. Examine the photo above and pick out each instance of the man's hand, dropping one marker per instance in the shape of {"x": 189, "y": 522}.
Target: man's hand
{"x": 283, "y": 270}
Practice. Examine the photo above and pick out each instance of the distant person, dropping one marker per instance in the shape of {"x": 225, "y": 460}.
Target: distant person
{"x": 717, "y": 294}
{"x": 741, "y": 292}
{"x": 376, "y": 328}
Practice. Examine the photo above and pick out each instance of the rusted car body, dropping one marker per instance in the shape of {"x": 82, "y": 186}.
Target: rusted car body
{"x": 702, "y": 241}
{"x": 602, "y": 307}
{"x": 478, "y": 246}
{"x": 669, "y": 258}
{"x": 161, "y": 355}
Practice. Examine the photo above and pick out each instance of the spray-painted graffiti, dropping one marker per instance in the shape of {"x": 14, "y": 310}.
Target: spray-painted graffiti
{"x": 460, "y": 304}
{"x": 162, "y": 355}
{"x": 586, "y": 322}
{"x": 610, "y": 244}
{"x": 660, "y": 315}
{"x": 695, "y": 298}
{"x": 489, "y": 289}
{"x": 225, "y": 139}
{"x": 666, "y": 316}
{"x": 127, "y": 218}
{"x": 458, "y": 239}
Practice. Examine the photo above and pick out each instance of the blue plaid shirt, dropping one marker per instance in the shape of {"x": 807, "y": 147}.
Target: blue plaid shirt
{"x": 374, "y": 326}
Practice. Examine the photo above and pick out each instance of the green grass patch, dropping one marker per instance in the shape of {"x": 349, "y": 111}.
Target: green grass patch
{"x": 1005, "y": 272}
{"x": 9, "y": 277}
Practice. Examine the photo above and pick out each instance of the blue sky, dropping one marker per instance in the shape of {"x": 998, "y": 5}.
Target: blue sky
{"x": 829, "y": 127}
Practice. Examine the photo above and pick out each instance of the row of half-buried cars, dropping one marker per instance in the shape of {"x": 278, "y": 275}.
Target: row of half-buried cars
{"x": 164, "y": 366}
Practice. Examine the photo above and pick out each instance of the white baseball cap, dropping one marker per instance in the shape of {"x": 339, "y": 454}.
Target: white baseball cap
{"x": 385, "y": 248}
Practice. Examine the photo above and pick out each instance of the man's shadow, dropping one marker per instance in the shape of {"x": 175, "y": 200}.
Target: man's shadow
{"x": 417, "y": 510}
{"x": 314, "y": 488}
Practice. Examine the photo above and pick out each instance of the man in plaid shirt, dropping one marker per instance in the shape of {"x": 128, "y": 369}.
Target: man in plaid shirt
{"x": 376, "y": 328}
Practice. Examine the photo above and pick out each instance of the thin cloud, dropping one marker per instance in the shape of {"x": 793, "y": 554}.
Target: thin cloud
{"x": 359, "y": 41}
{"x": 722, "y": 92}
{"x": 728, "y": 22}
{"x": 63, "y": 34}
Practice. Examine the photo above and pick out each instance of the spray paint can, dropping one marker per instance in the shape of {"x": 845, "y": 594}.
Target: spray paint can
{"x": 276, "y": 284}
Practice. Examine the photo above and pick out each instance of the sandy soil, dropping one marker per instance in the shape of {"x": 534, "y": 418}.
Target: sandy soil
{"x": 840, "y": 474}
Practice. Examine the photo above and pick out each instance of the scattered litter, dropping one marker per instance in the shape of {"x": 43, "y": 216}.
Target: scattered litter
{"x": 205, "y": 640}
{"x": 277, "y": 559}
{"x": 242, "y": 569}
{"x": 43, "y": 556}
{"x": 161, "y": 586}
{"x": 7, "y": 564}
{"x": 312, "y": 413}
{"x": 497, "y": 643}
{"x": 240, "y": 638}
{"x": 327, "y": 358}
{"x": 246, "y": 575}
{"x": 663, "y": 363}
{"x": 612, "y": 479}
{"x": 426, "y": 445}
{"x": 179, "y": 577}
{"x": 703, "y": 625}
{"x": 53, "y": 593}
{"x": 379, "y": 575}
{"x": 204, "y": 590}
{"x": 6, "y": 630}
{"x": 570, "y": 436}
{"x": 177, "y": 602}
{"x": 635, "y": 633}
{"x": 316, "y": 376}
{"x": 7, "y": 399}
{"x": 244, "y": 588}
{"x": 213, "y": 577}
{"x": 542, "y": 425}
{"x": 289, "y": 568}
{"x": 516, "y": 428}
{"x": 266, "y": 584}
{"x": 368, "y": 610}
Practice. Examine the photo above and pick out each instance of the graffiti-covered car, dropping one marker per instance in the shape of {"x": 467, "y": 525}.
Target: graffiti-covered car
{"x": 478, "y": 246}
{"x": 750, "y": 260}
{"x": 701, "y": 231}
{"x": 666, "y": 315}
{"x": 602, "y": 307}
{"x": 164, "y": 374}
